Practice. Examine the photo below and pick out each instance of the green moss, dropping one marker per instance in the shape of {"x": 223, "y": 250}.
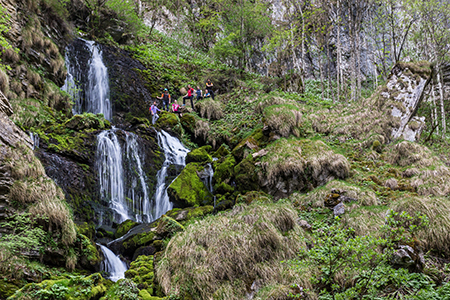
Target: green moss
{"x": 224, "y": 169}
{"x": 245, "y": 147}
{"x": 87, "y": 121}
{"x": 199, "y": 155}
{"x": 188, "y": 122}
{"x": 182, "y": 215}
{"x": 167, "y": 119}
{"x": 86, "y": 229}
{"x": 168, "y": 226}
{"x": 7, "y": 289}
{"x": 124, "y": 227}
{"x": 222, "y": 151}
{"x": 188, "y": 190}
{"x": 138, "y": 240}
{"x": 246, "y": 178}
{"x": 142, "y": 274}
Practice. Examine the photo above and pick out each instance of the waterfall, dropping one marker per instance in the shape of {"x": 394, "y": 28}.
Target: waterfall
{"x": 123, "y": 183}
{"x": 138, "y": 190}
{"x": 175, "y": 154}
{"x": 35, "y": 139}
{"x": 95, "y": 89}
{"x": 110, "y": 171}
{"x": 112, "y": 265}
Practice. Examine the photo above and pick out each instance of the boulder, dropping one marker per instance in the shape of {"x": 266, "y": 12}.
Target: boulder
{"x": 87, "y": 121}
{"x": 200, "y": 155}
{"x": 182, "y": 215}
{"x": 138, "y": 236}
{"x": 124, "y": 227}
{"x": 405, "y": 91}
{"x": 188, "y": 189}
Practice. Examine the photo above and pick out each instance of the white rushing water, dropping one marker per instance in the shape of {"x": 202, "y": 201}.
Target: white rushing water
{"x": 175, "y": 154}
{"x": 110, "y": 171}
{"x": 96, "y": 89}
{"x": 138, "y": 190}
{"x": 113, "y": 265}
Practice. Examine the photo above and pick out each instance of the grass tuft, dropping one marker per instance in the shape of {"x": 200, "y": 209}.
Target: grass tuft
{"x": 209, "y": 108}
{"x": 222, "y": 255}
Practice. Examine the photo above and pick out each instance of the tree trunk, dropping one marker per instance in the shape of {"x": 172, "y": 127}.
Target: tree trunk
{"x": 441, "y": 101}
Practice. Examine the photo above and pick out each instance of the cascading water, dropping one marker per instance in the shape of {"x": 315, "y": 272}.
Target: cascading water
{"x": 138, "y": 189}
{"x": 35, "y": 139}
{"x": 95, "y": 89}
{"x": 110, "y": 171}
{"x": 175, "y": 154}
{"x": 112, "y": 265}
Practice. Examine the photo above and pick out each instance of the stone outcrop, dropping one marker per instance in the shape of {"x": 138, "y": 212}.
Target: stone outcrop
{"x": 10, "y": 134}
{"x": 404, "y": 92}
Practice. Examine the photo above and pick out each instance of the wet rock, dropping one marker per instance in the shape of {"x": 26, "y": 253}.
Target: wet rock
{"x": 124, "y": 227}
{"x": 139, "y": 236}
{"x": 200, "y": 155}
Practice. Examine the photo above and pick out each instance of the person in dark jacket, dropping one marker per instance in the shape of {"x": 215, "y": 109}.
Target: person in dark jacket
{"x": 165, "y": 97}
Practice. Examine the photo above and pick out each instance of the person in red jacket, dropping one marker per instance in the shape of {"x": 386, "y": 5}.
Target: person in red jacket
{"x": 189, "y": 95}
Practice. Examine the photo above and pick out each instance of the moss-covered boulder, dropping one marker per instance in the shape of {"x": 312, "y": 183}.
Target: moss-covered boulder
{"x": 124, "y": 227}
{"x": 90, "y": 257}
{"x": 182, "y": 215}
{"x": 222, "y": 151}
{"x": 91, "y": 287}
{"x": 167, "y": 227}
{"x": 7, "y": 289}
{"x": 86, "y": 229}
{"x": 138, "y": 237}
{"x": 246, "y": 176}
{"x": 167, "y": 120}
{"x": 188, "y": 190}
{"x": 224, "y": 169}
{"x": 142, "y": 274}
{"x": 87, "y": 121}
{"x": 199, "y": 155}
{"x": 188, "y": 122}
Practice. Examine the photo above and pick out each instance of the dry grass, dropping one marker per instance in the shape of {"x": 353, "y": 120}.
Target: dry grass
{"x": 221, "y": 256}
{"x": 16, "y": 86}
{"x": 4, "y": 82}
{"x": 11, "y": 56}
{"x": 316, "y": 198}
{"x": 58, "y": 66}
{"x": 34, "y": 78}
{"x": 269, "y": 101}
{"x": 209, "y": 108}
{"x": 201, "y": 129}
{"x": 430, "y": 175}
{"x": 50, "y": 48}
{"x": 436, "y": 236}
{"x": 27, "y": 39}
{"x": 304, "y": 160}
{"x": 366, "y": 220}
{"x": 32, "y": 186}
{"x": 38, "y": 40}
{"x": 283, "y": 119}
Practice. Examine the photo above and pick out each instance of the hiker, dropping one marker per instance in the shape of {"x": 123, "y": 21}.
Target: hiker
{"x": 207, "y": 94}
{"x": 153, "y": 109}
{"x": 199, "y": 93}
{"x": 209, "y": 86}
{"x": 165, "y": 97}
{"x": 190, "y": 96}
{"x": 176, "y": 108}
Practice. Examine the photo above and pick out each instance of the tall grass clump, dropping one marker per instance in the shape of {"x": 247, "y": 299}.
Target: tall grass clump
{"x": 284, "y": 119}
{"x": 303, "y": 159}
{"x": 209, "y": 109}
{"x": 221, "y": 256}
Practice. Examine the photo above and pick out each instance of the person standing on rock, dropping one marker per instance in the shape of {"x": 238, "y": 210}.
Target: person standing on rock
{"x": 165, "y": 97}
{"x": 209, "y": 86}
{"x": 154, "y": 109}
{"x": 176, "y": 108}
{"x": 189, "y": 96}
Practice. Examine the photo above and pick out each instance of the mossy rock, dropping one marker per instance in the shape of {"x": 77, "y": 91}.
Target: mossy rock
{"x": 188, "y": 122}
{"x": 199, "y": 155}
{"x": 223, "y": 188}
{"x": 138, "y": 240}
{"x": 87, "y": 121}
{"x": 7, "y": 289}
{"x": 188, "y": 190}
{"x": 182, "y": 215}
{"x": 86, "y": 229}
{"x": 140, "y": 121}
{"x": 246, "y": 176}
{"x": 245, "y": 147}
{"x": 91, "y": 287}
{"x": 145, "y": 295}
{"x": 222, "y": 151}
{"x": 90, "y": 257}
{"x": 167, "y": 119}
{"x": 124, "y": 227}
{"x": 167, "y": 227}
{"x": 141, "y": 272}
{"x": 224, "y": 169}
